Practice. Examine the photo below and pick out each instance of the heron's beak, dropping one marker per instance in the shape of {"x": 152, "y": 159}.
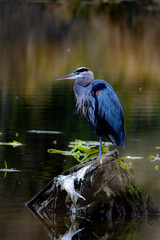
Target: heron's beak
{"x": 69, "y": 76}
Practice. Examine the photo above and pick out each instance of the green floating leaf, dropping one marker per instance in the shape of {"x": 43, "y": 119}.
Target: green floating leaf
{"x": 5, "y": 164}
{"x": 13, "y": 144}
{"x": 156, "y": 167}
{"x": 152, "y": 158}
{"x": 82, "y": 150}
{"x": 66, "y": 153}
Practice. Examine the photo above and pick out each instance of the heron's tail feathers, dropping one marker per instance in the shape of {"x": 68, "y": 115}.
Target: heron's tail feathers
{"x": 118, "y": 139}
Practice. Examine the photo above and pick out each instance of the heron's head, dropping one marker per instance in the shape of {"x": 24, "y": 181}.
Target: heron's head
{"x": 82, "y": 75}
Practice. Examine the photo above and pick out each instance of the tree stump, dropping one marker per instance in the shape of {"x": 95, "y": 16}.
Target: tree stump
{"x": 100, "y": 187}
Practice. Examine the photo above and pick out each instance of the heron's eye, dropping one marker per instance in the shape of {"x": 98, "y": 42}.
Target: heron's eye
{"x": 79, "y": 73}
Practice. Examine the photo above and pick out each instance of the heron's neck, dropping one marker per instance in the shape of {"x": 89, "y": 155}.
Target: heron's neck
{"x": 79, "y": 92}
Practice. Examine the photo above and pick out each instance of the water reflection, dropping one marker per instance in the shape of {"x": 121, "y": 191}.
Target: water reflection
{"x": 59, "y": 226}
{"x": 38, "y": 43}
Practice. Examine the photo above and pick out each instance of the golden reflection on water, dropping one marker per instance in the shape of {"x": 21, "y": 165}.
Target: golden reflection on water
{"x": 124, "y": 50}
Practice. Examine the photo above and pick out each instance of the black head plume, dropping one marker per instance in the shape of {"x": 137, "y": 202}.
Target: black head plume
{"x": 81, "y": 69}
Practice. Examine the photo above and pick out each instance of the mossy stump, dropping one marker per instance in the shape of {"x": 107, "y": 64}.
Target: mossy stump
{"x": 103, "y": 186}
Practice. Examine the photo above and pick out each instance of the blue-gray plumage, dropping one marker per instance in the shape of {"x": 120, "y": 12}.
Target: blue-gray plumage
{"x": 100, "y": 106}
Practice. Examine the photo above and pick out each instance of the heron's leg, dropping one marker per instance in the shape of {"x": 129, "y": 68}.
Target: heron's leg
{"x": 100, "y": 147}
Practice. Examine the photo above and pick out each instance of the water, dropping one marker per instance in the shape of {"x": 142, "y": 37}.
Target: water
{"x": 41, "y": 42}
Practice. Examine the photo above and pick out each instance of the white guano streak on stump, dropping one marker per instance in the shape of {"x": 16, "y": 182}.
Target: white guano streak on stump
{"x": 67, "y": 183}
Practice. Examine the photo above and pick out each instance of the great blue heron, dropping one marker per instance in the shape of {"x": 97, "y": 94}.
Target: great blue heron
{"x": 100, "y": 106}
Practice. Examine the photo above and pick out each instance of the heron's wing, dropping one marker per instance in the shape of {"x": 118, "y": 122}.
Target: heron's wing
{"x": 108, "y": 111}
